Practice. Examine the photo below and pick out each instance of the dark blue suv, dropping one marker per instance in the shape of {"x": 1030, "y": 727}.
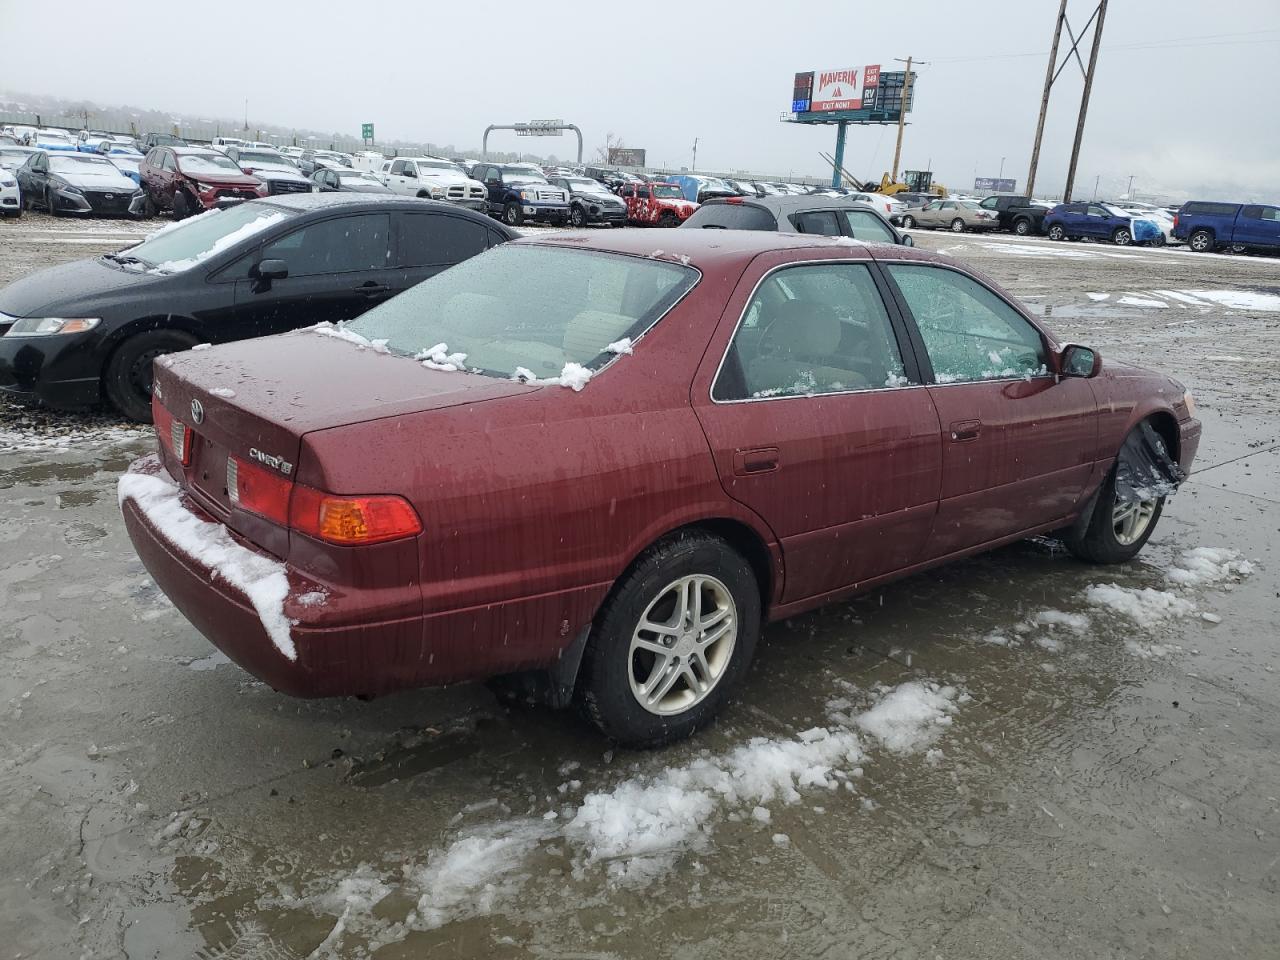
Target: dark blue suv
{"x": 1236, "y": 226}
{"x": 1100, "y": 221}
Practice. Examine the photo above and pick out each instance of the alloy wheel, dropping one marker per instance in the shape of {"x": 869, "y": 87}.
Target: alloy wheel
{"x": 957, "y": 225}
{"x": 1130, "y": 519}
{"x": 682, "y": 645}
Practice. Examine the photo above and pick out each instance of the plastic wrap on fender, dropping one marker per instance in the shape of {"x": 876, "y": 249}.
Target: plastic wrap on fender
{"x": 1145, "y": 231}
{"x": 1144, "y": 469}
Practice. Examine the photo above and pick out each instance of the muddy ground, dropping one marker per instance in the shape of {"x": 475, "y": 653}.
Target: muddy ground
{"x": 1092, "y": 786}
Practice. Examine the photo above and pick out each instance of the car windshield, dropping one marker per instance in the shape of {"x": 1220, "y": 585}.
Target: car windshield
{"x": 259, "y": 156}
{"x": 667, "y": 190}
{"x": 437, "y": 165}
{"x": 969, "y": 204}
{"x": 77, "y": 161}
{"x": 585, "y": 185}
{"x": 13, "y": 158}
{"x": 1116, "y": 211}
{"x": 524, "y": 176}
{"x": 115, "y": 147}
{"x": 206, "y": 163}
{"x": 356, "y": 175}
{"x": 184, "y": 244}
{"x": 53, "y": 136}
{"x": 529, "y": 311}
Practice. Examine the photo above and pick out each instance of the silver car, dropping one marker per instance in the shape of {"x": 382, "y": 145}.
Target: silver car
{"x": 955, "y": 215}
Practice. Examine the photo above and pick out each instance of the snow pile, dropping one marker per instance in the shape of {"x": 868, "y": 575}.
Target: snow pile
{"x": 1133, "y": 301}
{"x": 339, "y": 331}
{"x": 1204, "y": 565}
{"x": 225, "y": 242}
{"x": 261, "y": 579}
{"x": 1239, "y": 299}
{"x": 896, "y": 380}
{"x": 620, "y": 346}
{"x": 225, "y": 392}
{"x": 439, "y": 358}
{"x": 1144, "y": 606}
{"x": 473, "y": 874}
{"x": 910, "y": 717}
{"x": 574, "y": 376}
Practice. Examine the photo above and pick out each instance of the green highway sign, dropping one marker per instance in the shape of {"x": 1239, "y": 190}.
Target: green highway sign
{"x": 366, "y": 131}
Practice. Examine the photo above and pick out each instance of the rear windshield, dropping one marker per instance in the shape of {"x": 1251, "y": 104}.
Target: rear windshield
{"x": 206, "y": 163}
{"x": 529, "y": 307}
{"x": 731, "y": 216}
{"x": 1211, "y": 209}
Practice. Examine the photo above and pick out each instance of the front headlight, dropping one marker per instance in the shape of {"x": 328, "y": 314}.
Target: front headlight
{"x": 524, "y": 195}
{"x": 1190, "y": 403}
{"x": 204, "y": 187}
{"x": 437, "y": 191}
{"x": 48, "y": 326}
{"x": 68, "y": 188}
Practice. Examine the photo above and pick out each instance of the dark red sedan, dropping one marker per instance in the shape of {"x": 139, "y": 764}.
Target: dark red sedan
{"x": 605, "y": 465}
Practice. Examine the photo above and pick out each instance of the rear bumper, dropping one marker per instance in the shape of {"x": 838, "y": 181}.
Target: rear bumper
{"x": 370, "y": 656}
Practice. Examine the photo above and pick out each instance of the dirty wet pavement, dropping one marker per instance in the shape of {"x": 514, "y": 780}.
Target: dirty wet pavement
{"x": 1063, "y": 780}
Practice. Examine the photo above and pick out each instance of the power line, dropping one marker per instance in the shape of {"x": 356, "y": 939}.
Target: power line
{"x": 1172, "y": 43}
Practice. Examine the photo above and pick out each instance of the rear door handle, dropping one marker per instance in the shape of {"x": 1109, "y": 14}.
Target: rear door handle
{"x": 964, "y": 430}
{"x": 370, "y": 287}
{"x": 756, "y": 460}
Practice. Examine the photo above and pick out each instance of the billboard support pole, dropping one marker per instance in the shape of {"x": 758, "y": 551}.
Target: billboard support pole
{"x": 1084, "y": 99}
{"x": 1044, "y": 99}
{"x": 837, "y": 164}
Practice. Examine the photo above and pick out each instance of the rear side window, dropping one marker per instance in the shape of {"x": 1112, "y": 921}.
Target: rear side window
{"x": 1261, "y": 213}
{"x": 811, "y": 330}
{"x": 428, "y": 239}
{"x": 732, "y": 216}
{"x": 821, "y": 222}
{"x": 341, "y": 245}
{"x": 1210, "y": 209}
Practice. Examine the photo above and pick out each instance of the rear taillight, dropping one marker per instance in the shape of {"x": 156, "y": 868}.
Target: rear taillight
{"x": 352, "y": 520}
{"x": 259, "y": 491}
{"x": 173, "y": 434}
{"x": 344, "y": 520}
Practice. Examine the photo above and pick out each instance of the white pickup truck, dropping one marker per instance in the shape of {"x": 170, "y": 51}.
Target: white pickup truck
{"x": 435, "y": 179}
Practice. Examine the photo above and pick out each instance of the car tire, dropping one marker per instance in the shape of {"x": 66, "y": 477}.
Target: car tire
{"x": 668, "y": 219}
{"x": 149, "y": 207}
{"x": 957, "y": 225}
{"x": 1115, "y": 532}
{"x": 908, "y": 221}
{"x": 578, "y": 216}
{"x": 127, "y": 381}
{"x": 1022, "y": 227}
{"x": 1056, "y": 232}
{"x": 512, "y": 215}
{"x": 1201, "y": 241}
{"x": 621, "y": 664}
{"x": 49, "y": 204}
{"x": 183, "y": 205}
{"x": 1121, "y": 237}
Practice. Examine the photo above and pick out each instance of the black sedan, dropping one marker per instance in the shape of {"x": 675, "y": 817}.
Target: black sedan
{"x": 73, "y": 333}
{"x": 77, "y": 183}
{"x": 329, "y": 180}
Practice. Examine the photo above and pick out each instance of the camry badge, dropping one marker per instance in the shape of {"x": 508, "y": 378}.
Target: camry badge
{"x": 197, "y": 412}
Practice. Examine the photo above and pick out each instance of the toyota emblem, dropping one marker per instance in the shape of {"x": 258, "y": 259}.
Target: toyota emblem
{"x": 197, "y": 411}
{"x": 109, "y": 196}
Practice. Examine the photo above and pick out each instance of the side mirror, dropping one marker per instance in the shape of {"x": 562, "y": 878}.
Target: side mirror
{"x": 906, "y": 240}
{"x": 268, "y": 270}
{"x": 1078, "y": 361}
{"x": 248, "y": 170}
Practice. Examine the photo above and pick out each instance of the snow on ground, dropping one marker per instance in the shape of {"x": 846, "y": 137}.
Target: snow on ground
{"x": 34, "y": 431}
{"x": 261, "y": 579}
{"x": 1207, "y": 299}
{"x": 638, "y": 829}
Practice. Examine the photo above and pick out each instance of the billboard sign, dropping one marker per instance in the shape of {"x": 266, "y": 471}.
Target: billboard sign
{"x": 626, "y": 156}
{"x": 843, "y": 89}
{"x": 995, "y": 185}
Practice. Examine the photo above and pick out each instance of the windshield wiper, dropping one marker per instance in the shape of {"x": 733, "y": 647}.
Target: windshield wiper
{"x": 126, "y": 259}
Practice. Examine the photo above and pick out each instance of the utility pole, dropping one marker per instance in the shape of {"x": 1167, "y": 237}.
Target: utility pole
{"x": 1095, "y": 186}
{"x": 1044, "y": 98}
{"x": 694, "y": 168}
{"x": 902, "y": 115}
{"x": 1130, "y": 193}
{"x": 1000, "y": 175}
{"x": 1101, "y": 14}
{"x": 246, "y": 114}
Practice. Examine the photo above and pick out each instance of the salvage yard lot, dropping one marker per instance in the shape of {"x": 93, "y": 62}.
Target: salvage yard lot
{"x": 1020, "y": 755}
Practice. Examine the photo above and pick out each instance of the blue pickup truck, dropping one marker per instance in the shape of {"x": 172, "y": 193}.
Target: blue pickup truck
{"x": 1233, "y": 226}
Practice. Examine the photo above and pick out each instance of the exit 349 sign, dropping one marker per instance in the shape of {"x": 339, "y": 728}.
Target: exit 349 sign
{"x": 366, "y": 131}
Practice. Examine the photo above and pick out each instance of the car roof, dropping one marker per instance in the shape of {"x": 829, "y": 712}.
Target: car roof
{"x": 783, "y": 206}
{"x": 309, "y": 202}
{"x": 189, "y": 150}
{"x": 705, "y": 249}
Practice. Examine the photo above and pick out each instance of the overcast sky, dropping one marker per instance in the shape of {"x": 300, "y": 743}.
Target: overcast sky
{"x": 1185, "y": 98}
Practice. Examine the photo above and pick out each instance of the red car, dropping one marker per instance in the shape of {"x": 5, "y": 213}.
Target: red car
{"x": 607, "y": 465}
{"x": 191, "y": 180}
{"x": 656, "y": 204}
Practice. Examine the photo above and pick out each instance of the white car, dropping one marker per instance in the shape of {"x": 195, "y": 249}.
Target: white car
{"x": 436, "y": 179}
{"x": 292, "y": 153}
{"x": 890, "y": 207}
{"x": 10, "y": 195}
